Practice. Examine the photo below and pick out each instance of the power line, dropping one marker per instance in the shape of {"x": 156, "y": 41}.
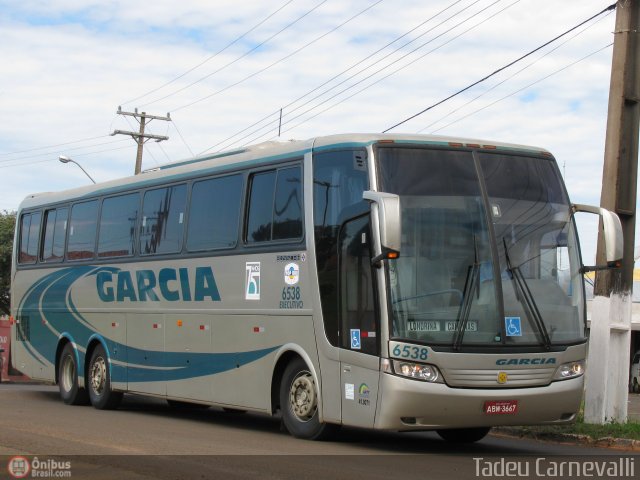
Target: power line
{"x": 182, "y": 138}
{"x": 609, "y": 8}
{"x": 394, "y": 62}
{"x": 55, "y": 152}
{"x": 402, "y": 58}
{"x": 23, "y": 164}
{"x": 268, "y": 125}
{"x": 366, "y": 68}
{"x": 278, "y": 61}
{"x": 211, "y": 57}
{"x": 237, "y": 59}
{"x": 163, "y": 151}
{"x": 507, "y": 79}
{"x": 525, "y": 87}
{"x": 54, "y": 145}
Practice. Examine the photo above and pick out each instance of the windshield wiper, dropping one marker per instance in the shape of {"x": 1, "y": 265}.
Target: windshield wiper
{"x": 526, "y": 298}
{"x": 470, "y": 286}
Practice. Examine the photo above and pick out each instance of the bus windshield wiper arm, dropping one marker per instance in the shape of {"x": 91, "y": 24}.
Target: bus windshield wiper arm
{"x": 527, "y": 299}
{"x": 470, "y": 286}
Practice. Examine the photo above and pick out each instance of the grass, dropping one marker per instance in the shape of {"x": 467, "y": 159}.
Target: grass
{"x": 630, "y": 430}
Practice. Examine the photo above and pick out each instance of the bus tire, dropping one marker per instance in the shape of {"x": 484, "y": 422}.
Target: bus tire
{"x": 299, "y": 403}
{"x": 70, "y": 390}
{"x": 99, "y": 381}
{"x": 464, "y": 435}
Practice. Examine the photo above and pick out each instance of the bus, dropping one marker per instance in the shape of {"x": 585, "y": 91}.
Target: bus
{"x": 395, "y": 282}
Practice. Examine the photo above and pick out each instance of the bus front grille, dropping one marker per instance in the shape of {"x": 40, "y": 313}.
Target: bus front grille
{"x": 531, "y": 377}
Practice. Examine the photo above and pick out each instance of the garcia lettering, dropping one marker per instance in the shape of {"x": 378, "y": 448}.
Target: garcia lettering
{"x": 169, "y": 284}
{"x": 526, "y": 361}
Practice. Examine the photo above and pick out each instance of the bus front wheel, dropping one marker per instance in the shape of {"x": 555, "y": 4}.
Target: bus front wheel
{"x": 299, "y": 403}
{"x": 70, "y": 390}
{"x": 99, "y": 382}
{"x": 464, "y": 435}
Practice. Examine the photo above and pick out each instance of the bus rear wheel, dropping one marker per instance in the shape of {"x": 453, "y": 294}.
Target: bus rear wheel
{"x": 70, "y": 390}
{"x": 464, "y": 435}
{"x": 99, "y": 382}
{"x": 299, "y": 404}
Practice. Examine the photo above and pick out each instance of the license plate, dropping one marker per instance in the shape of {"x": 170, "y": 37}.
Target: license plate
{"x": 472, "y": 326}
{"x": 500, "y": 407}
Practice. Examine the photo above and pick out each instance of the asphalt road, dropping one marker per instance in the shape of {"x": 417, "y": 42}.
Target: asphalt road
{"x": 147, "y": 439}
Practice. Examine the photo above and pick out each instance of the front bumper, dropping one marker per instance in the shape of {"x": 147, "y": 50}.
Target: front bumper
{"x": 406, "y": 404}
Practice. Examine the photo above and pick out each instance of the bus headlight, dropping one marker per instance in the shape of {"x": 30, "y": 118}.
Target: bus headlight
{"x": 569, "y": 370}
{"x": 417, "y": 371}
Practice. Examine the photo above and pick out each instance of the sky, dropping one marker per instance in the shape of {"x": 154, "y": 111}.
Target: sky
{"x": 223, "y": 70}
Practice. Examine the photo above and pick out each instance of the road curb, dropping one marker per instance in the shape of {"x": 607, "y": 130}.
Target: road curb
{"x": 572, "y": 438}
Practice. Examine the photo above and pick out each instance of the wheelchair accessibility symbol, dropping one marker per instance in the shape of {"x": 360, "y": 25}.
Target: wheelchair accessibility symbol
{"x": 513, "y": 326}
{"x": 355, "y": 338}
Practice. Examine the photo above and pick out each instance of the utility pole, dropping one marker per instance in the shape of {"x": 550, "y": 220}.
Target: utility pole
{"x": 608, "y": 366}
{"x": 140, "y": 137}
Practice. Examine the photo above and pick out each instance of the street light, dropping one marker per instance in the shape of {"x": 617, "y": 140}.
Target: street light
{"x": 64, "y": 159}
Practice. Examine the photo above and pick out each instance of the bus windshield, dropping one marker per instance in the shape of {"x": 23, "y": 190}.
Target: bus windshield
{"x": 489, "y": 251}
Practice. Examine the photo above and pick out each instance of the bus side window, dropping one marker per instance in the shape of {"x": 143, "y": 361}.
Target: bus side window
{"x": 55, "y": 227}
{"x": 260, "y": 216}
{"x": 287, "y": 208}
{"x": 118, "y": 220}
{"x": 82, "y": 231}
{"x": 29, "y": 235}
{"x": 214, "y": 213}
{"x": 161, "y": 229}
{"x": 275, "y": 205}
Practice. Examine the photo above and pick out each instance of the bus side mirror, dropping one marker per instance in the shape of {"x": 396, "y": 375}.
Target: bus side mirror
{"x": 613, "y": 238}
{"x": 389, "y": 220}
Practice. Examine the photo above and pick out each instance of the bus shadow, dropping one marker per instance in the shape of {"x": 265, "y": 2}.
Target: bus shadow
{"x": 200, "y": 414}
{"x": 412, "y": 443}
{"x": 385, "y": 442}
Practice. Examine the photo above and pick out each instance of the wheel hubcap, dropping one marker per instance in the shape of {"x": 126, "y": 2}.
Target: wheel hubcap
{"x": 98, "y": 375}
{"x": 302, "y": 397}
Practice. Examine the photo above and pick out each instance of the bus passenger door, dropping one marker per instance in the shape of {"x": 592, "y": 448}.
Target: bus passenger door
{"x": 359, "y": 329}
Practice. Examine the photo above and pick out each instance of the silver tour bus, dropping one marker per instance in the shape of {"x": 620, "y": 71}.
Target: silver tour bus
{"x": 396, "y": 282}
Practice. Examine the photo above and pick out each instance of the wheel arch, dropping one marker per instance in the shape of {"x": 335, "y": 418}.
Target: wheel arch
{"x": 286, "y": 354}
{"x": 63, "y": 340}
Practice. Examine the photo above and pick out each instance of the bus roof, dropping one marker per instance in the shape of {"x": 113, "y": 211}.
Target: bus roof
{"x": 255, "y": 155}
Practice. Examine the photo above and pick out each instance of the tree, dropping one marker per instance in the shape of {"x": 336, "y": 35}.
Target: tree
{"x": 7, "y": 228}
